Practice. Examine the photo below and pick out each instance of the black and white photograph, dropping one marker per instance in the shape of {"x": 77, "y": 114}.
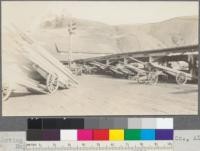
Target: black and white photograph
{"x": 71, "y": 58}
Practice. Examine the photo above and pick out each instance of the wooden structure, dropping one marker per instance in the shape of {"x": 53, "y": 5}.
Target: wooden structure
{"x": 54, "y": 74}
{"x": 181, "y": 77}
{"x": 167, "y": 54}
{"x": 154, "y": 59}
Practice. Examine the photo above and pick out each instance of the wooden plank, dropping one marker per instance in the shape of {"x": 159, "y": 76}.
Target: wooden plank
{"x": 114, "y": 69}
{"x": 40, "y": 50}
{"x": 134, "y": 59}
{"x": 31, "y": 84}
{"x": 100, "y": 65}
{"x": 145, "y": 53}
{"x": 39, "y": 55}
{"x": 171, "y": 71}
{"x": 138, "y": 70}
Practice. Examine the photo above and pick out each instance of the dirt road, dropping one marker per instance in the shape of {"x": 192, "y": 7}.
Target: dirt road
{"x": 101, "y": 95}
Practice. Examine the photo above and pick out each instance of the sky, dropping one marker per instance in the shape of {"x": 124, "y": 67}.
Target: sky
{"x": 113, "y": 13}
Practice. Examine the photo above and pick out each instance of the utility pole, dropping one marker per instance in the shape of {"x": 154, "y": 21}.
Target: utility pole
{"x": 71, "y": 31}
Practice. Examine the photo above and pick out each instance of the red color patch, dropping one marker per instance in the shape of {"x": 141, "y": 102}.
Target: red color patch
{"x": 101, "y": 134}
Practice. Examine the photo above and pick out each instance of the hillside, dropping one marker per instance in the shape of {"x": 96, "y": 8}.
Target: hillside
{"x": 96, "y": 37}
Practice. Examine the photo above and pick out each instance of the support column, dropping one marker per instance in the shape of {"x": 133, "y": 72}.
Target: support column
{"x": 125, "y": 61}
{"x": 192, "y": 65}
{"x": 150, "y": 59}
{"x": 107, "y": 62}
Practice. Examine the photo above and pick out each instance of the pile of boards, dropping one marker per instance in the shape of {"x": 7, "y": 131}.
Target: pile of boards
{"x": 25, "y": 63}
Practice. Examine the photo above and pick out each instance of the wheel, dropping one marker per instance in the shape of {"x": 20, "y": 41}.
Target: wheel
{"x": 181, "y": 78}
{"x": 152, "y": 78}
{"x": 6, "y": 91}
{"x": 52, "y": 83}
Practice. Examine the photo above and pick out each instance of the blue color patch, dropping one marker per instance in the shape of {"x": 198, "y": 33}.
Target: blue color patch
{"x": 148, "y": 134}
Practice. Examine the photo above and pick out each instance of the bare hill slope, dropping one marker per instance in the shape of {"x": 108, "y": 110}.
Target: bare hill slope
{"x": 96, "y": 37}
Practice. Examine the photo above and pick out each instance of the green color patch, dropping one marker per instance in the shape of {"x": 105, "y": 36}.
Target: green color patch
{"x": 132, "y": 134}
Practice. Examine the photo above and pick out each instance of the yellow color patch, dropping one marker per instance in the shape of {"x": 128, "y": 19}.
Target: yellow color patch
{"x": 116, "y": 134}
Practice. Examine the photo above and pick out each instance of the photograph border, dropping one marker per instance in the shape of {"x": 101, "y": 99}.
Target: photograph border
{"x": 97, "y": 116}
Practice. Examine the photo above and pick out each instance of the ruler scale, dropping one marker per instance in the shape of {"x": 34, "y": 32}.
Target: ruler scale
{"x": 101, "y": 146}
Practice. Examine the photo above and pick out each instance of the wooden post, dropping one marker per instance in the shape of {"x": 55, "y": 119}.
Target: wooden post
{"x": 125, "y": 61}
{"x": 71, "y": 31}
{"x": 108, "y": 62}
{"x": 70, "y": 50}
{"x": 192, "y": 65}
{"x": 150, "y": 59}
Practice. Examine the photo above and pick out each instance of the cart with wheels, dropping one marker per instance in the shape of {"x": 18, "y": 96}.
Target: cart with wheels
{"x": 180, "y": 76}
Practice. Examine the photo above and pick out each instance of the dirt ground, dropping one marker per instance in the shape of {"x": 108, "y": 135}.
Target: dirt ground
{"x": 102, "y": 95}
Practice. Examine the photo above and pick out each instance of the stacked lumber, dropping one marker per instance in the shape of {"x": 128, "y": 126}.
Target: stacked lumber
{"x": 37, "y": 62}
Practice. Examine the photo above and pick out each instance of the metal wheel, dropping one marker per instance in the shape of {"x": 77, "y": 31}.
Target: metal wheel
{"x": 6, "y": 91}
{"x": 152, "y": 78}
{"x": 181, "y": 78}
{"x": 52, "y": 83}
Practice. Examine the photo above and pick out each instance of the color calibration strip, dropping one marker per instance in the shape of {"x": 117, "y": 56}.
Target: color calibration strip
{"x": 100, "y": 135}
{"x": 107, "y": 129}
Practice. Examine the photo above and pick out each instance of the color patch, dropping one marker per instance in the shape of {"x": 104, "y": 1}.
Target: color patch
{"x": 68, "y": 135}
{"x": 76, "y": 123}
{"x": 34, "y": 123}
{"x": 84, "y": 135}
{"x": 164, "y": 123}
{"x": 134, "y": 123}
{"x": 147, "y": 134}
{"x": 49, "y": 123}
{"x": 34, "y": 135}
{"x": 148, "y": 123}
{"x": 50, "y": 135}
{"x": 54, "y": 123}
{"x": 121, "y": 123}
{"x": 106, "y": 123}
{"x": 132, "y": 134}
{"x": 164, "y": 134}
{"x": 116, "y": 134}
{"x": 91, "y": 123}
{"x": 101, "y": 134}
